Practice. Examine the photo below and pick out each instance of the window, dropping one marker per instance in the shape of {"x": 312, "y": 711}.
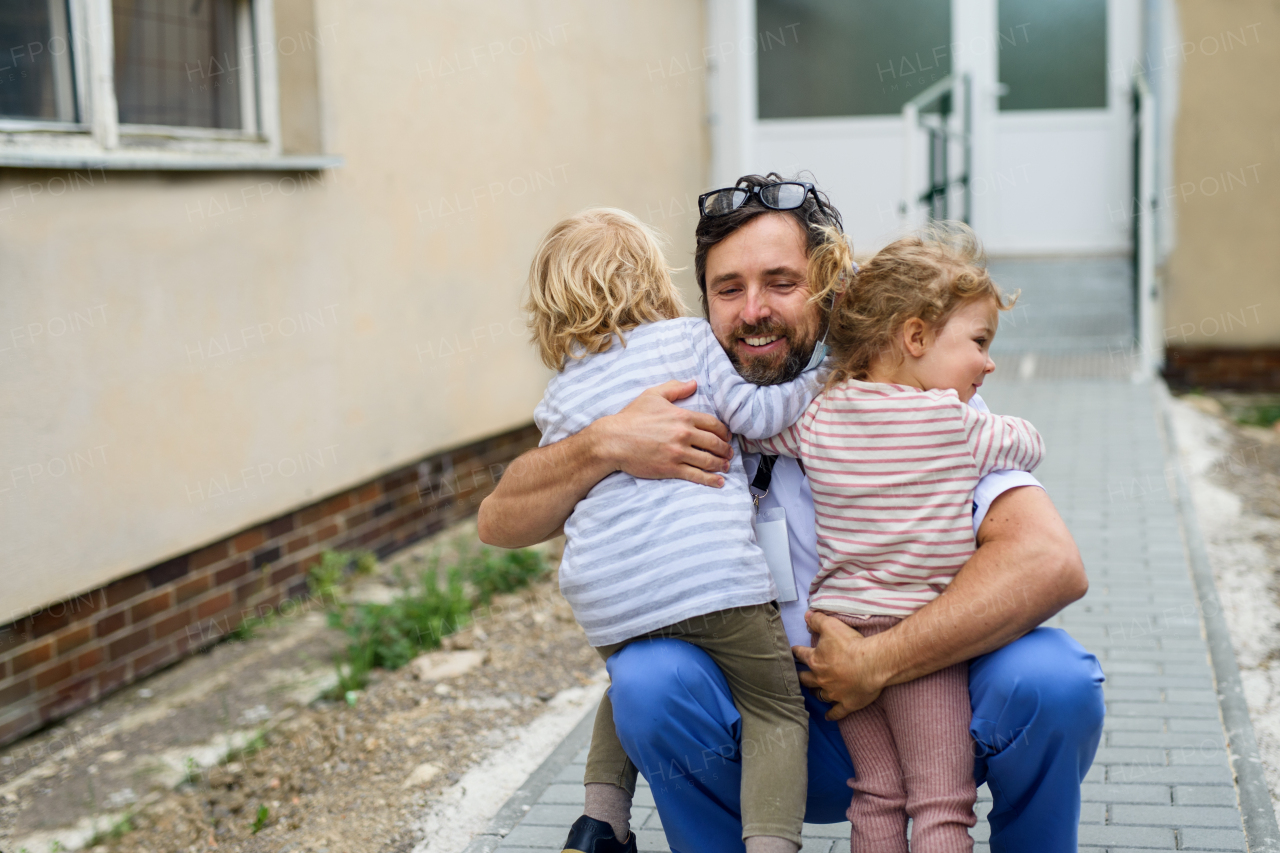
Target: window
{"x": 35, "y": 68}
{"x": 1053, "y": 54}
{"x": 843, "y": 58}
{"x": 181, "y": 84}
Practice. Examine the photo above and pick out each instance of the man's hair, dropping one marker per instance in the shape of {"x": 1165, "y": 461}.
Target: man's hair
{"x": 812, "y": 216}
{"x": 595, "y": 275}
{"x": 929, "y": 274}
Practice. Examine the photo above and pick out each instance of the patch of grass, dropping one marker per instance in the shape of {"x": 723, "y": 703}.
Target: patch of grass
{"x": 1260, "y": 416}
{"x": 113, "y": 833}
{"x": 260, "y": 820}
{"x": 388, "y": 636}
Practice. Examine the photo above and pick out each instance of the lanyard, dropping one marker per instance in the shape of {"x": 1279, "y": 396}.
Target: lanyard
{"x": 764, "y": 476}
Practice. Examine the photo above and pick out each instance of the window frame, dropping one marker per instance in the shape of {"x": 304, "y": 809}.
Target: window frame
{"x": 99, "y": 140}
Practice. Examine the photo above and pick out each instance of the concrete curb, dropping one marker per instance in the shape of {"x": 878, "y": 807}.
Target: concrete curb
{"x": 1261, "y": 831}
{"x": 518, "y": 805}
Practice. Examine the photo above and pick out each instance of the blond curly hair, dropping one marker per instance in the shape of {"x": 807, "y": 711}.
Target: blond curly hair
{"x": 595, "y": 275}
{"x": 929, "y": 274}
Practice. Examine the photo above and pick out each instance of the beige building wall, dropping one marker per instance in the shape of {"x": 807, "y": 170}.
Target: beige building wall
{"x": 184, "y": 354}
{"x": 1223, "y": 278}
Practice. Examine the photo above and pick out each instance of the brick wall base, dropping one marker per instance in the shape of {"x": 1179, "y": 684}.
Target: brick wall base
{"x": 75, "y": 652}
{"x": 1187, "y": 368}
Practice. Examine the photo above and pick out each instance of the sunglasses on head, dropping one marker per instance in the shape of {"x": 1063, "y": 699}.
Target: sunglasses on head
{"x": 784, "y": 195}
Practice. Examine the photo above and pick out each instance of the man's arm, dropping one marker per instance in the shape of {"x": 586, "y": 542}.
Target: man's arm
{"x": 1026, "y": 569}
{"x": 651, "y": 438}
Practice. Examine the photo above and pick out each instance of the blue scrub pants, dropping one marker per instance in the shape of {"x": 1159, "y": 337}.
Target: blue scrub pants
{"x": 1037, "y": 720}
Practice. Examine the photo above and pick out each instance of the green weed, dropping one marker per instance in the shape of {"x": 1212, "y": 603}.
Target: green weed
{"x": 260, "y": 820}
{"x": 1261, "y": 416}
{"x": 113, "y": 833}
{"x": 388, "y": 636}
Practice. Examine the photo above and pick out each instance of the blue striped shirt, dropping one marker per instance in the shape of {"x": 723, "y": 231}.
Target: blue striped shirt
{"x": 645, "y": 554}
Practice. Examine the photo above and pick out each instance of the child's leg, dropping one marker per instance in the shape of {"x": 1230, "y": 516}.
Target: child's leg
{"x": 878, "y": 809}
{"x": 929, "y": 718}
{"x": 750, "y": 647}
{"x": 610, "y": 777}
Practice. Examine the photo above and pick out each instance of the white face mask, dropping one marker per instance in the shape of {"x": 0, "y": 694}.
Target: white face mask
{"x": 820, "y": 349}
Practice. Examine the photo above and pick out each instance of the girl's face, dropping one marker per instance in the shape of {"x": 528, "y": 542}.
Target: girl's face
{"x": 957, "y": 356}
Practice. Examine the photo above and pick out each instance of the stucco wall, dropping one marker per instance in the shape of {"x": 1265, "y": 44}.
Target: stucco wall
{"x": 183, "y": 354}
{"x": 1223, "y": 278}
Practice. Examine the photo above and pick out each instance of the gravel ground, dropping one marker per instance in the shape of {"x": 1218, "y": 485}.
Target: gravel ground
{"x": 1234, "y": 474}
{"x": 337, "y": 778}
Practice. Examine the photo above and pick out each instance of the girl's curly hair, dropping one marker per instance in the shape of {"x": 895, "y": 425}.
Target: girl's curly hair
{"x": 928, "y": 274}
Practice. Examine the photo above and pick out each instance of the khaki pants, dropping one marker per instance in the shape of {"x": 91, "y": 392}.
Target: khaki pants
{"x": 750, "y": 647}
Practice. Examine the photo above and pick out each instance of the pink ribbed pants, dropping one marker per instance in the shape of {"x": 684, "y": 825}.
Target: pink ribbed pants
{"x": 913, "y": 757}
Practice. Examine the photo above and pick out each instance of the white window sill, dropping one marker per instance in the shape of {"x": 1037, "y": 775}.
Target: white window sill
{"x": 157, "y": 160}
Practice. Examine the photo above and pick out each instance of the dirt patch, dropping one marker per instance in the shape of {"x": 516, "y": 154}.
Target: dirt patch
{"x": 1234, "y": 474}
{"x": 328, "y": 777}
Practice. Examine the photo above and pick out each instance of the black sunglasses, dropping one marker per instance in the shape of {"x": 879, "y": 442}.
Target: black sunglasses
{"x": 785, "y": 195}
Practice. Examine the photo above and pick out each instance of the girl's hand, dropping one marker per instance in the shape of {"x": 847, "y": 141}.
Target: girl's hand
{"x": 842, "y": 665}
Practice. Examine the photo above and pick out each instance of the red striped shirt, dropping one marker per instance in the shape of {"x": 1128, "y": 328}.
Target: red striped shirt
{"x": 893, "y": 470}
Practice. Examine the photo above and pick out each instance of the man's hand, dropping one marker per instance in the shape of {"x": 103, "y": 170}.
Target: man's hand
{"x": 842, "y": 665}
{"x": 653, "y": 439}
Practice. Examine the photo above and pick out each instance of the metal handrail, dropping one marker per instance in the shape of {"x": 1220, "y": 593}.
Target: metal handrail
{"x": 946, "y": 92}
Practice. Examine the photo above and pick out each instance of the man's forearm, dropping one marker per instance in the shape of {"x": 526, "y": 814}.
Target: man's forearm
{"x": 539, "y": 490}
{"x": 1027, "y": 569}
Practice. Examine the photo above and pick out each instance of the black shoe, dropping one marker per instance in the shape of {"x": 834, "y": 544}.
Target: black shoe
{"x": 588, "y": 835}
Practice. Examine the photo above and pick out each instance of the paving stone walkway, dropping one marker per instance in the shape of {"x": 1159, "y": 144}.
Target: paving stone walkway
{"x": 1161, "y": 779}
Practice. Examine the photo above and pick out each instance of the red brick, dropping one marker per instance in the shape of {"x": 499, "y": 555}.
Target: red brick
{"x": 324, "y": 534}
{"x": 78, "y": 637}
{"x": 54, "y": 674}
{"x": 14, "y": 692}
{"x": 231, "y": 572}
{"x": 312, "y": 514}
{"x": 49, "y": 619}
{"x": 89, "y": 659}
{"x": 337, "y": 504}
{"x": 128, "y": 644}
{"x": 297, "y": 542}
{"x": 152, "y": 660}
{"x": 110, "y": 679}
{"x": 149, "y": 607}
{"x": 190, "y": 589}
{"x": 368, "y": 492}
{"x": 176, "y": 622}
{"x": 280, "y": 526}
{"x": 248, "y": 540}
{"x": 71, "y": 696}
{"x": 125, "y": 589}
{"x": 216, "y": 604}
{"x": 244, "y": 591}
{"x": 110, "y": 624}
{"x": 28, "y": 658}
{"x": 209, "y": 555}
{"x": 13, "y": 728}
{"x": 284, "y": 572}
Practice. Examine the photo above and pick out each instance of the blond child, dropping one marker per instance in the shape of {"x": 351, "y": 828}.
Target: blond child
{"x": 665, "y": 558}
{"x": 893, "y": 452}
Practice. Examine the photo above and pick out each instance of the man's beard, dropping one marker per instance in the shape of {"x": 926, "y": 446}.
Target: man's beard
{"x": 770, "y": 371}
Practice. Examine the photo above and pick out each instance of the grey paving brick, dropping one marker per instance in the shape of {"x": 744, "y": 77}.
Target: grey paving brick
{"x": 1134, "y": 724}
{"x": 1130, "y": 755}
{"x": 1165, "y": 739}
{"x": 1141, "y": 837}
{"x": 1092, "y": 792}
{"x": 1177, "y": 816}
{"x": 1211, "y": 839}
{"x": 826, "y": 830}
{"x": 1205, "y": 795}
{"x": 1156, "y": 775}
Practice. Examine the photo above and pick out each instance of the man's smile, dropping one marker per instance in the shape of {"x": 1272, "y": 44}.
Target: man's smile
{"x": 759, "y": 345}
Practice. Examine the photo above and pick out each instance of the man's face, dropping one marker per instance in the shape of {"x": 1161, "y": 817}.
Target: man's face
{"x": 757, "y": 299}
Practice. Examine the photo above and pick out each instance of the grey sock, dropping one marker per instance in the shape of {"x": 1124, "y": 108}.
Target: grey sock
{"x": 770, "y": 844}
{"x": 612, "y": 805}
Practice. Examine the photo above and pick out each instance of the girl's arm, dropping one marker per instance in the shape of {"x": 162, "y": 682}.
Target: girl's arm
{"x": 785, "y": 443}
{"x": 1001, "y": 441}
{"x": 750, "y": 410}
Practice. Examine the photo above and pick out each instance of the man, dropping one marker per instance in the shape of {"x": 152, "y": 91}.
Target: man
{"x": 1036, "y": 694}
